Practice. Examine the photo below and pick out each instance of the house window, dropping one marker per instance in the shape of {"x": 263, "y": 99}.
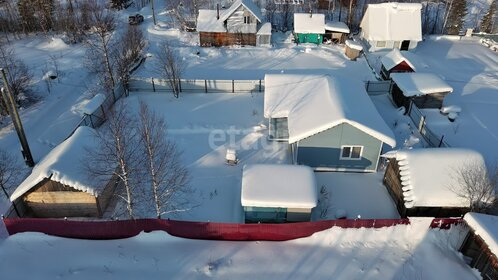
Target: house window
{"x": 381, "y": 44}
{"x": 247, "y": 19}
{"x": 351, "y": 152}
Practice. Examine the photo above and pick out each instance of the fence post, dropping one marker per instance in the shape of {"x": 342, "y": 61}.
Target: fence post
{"x": 260, "y": 85}
{"x": 233, "y": 86}
{"x": 441, "y": 141}
{"x": 368, "y": 85}
{"x": 205, "y": 86}
{"x": 180, "y": 84}
{"x": 103, "y": 112}
{"x": 153, "y": 85}
{"x": 91, "y": 121}
{"x": 421, "y": 124}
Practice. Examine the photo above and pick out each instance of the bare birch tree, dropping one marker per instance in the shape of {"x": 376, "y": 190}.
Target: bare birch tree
{"x": 167, "y": 176}
{"x": 171, "y": 66}
{"x": 475, "y": 184}
{"x": 118, "y": 153}
{"x": 129, "y": 51}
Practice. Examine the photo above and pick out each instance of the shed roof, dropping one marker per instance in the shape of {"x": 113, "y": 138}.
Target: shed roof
{"x": 486, "y": 226}
{"x": 248, "y": 4}
{"x": 416, "y": 84}
{"x": 207, "y": 22}
{"x": 394, "y": 58}
{"x": 354, "y": 45}
{"x": 315, "y": 103}
{"x": 392, "y": 22}
{"x": 309, "y": 23}
{"x": 278, "y": 185}
{"x": 64, "y": 165}
{"x": 337, "y": 26}
{"x": 429, "y": 175}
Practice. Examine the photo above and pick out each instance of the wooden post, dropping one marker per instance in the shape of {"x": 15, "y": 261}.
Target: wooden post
{"x": 91, "y": 121}
{"x": 180, "y": 84}
{"x": 368, "y": 85}
{"x": 233, "y": 86}
{"x": 421, "y": 123}
{"x": 441, "y": 141}
{"x": 153, "y": 85}
{"x": 103, "y": 111}
{"x": 259, "y": 85}
{"x": 205, "y": 86}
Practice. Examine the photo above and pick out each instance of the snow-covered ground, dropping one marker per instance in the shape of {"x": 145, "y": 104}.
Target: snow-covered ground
{"x": 398, "y": 252}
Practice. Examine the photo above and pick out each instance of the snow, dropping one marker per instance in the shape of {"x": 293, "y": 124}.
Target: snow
{"x": 265, "y": 29}
{"x": 354, "y": 45}
{"x": 337, "y": 26}
{"x": 315, "y": 103}
{"x": 94, "y": 104}
{"x": 392, "y": 22}
{"x": 278, "y": 185}
{"x": 429, "y": 176}
{"x": 207, "y": 22}
{"x": 417, "y": 84}
{"x": 248, "y": 4}
{"x": 400, "y": 252}
{"x": 309, "y": 23}
{"x": 64, "y": 165}
{"x": 394, "y": 58}
{"x": 486, "y": 226}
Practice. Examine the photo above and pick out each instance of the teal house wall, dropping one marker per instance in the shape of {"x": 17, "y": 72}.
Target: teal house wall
{"x": 309, "y": 38}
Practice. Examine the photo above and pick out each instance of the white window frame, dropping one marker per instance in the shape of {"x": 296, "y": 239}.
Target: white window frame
{"x": 351, "y": 152}
{"x": 381, "y": 44}
{"x": 397, "y": 45}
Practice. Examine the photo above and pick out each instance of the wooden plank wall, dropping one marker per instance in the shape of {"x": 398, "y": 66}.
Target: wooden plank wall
{"x": 61, "y": 204}
{"x": 392, "y": 181}
{"x": 219, "y": 39}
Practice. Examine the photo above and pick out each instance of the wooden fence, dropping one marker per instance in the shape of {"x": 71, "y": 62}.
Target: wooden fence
{"x": 200, "y": 86}
{"x": 430, "y": 137}
{"x": 378, "y": 87}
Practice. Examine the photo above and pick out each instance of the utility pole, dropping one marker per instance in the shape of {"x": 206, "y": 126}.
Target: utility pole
{"x": 153, "y": 13}
{"x": 12, "y": 108}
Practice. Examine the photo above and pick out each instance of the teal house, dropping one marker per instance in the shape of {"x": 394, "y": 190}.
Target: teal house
{"x": 309, "y": 28}
{"x": 329, "y": 122}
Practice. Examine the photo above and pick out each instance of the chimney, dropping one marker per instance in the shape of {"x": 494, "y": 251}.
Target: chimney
{"x": 217, "y": 11}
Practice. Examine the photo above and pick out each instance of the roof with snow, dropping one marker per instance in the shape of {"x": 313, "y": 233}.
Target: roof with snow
{"x": 207, "y": 22}
{"x": 416, "y": 84}
{"x": 486, "y": 226}
{"x": 248, "y": 4}
{"x": 337, "y": 26}
{"x": 392, "y": 22}
{"x": 394, "y": 58}
{"x": 309, "y": 23}
{"x": 354, "y": 45}
{"x": 428, "y": 175}
{"x": 64, "y": 165}
{"x": 278, "y": 185}
{"x": 315, "y": 103}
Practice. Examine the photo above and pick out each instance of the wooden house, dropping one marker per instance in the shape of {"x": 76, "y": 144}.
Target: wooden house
{"x": 425, "y": 90}
{"x": 353, "y": 49}
{"x": 480, "y": 247}
{"x": 395, "y": 62}
{"x": 392, "y": 26}
{"x": 309, "y": 28}
{"x": 59, "y": 187}
{"x": 422, "y": 182}
{"x": 336, "y": 31}
{"x": 238, "y": 25}
{"x": 278, "y": 193}
{"x": 330, "y": 122}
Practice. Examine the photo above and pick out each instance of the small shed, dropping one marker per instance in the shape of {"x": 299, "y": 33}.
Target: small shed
{"x": 278, "y": 193}
{"x": 59, "y": 187}
{"x": 337, "y": 31}
{"x": 263, "y": 37}
{"x": 392, "y": 26}
{"x": 309, "y": 28}
{"x": 353, "y": 49}
{"x": 480, "y": 247}
{"x": 330, "y": 122}
{"x": 395, "y": 62}
{"x": 421, "y": 181}
{"x": 425, "y": 90}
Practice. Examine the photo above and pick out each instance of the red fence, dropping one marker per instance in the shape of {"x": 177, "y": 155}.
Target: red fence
{"x": 194, "y": 230}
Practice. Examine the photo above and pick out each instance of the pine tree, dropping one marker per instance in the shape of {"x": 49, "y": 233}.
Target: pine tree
{"x": 488, "y": 19}
{"x": 456, "y": 16}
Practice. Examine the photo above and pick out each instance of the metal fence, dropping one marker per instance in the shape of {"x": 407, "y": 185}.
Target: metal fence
{"x": 378, "y": 87}
{"x": 430, "y": 137}
{"x": 201, "y": 86}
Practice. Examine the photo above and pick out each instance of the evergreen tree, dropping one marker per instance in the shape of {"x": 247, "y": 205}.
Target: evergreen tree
{"x": 488, "y": 19}
{"x": 456, "y": 16}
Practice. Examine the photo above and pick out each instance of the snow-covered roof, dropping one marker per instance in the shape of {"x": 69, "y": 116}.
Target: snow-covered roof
{"x": 93, "y": 104}
{"x": 207, "y": 22}
{"x": 416, "y": 84}
{"x": 393, "y": 58}
{"x": 354, "y": 45}
{"x": 309, "y": 23}
{"x": 392, "y": 22}
{"x": 315, "y": 103}
{"x": 265, "y": 29}
{"x": 486, "y": 226}
{"x": 248, "y": 4}
{"x": 278, "y": 185}
{"x": 428, "y": 175}
{"x": 64, "y": 165}
{"x": 337, "y": 26}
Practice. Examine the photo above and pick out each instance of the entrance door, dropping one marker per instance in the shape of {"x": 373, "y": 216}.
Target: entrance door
{"x": 405, "y": 45}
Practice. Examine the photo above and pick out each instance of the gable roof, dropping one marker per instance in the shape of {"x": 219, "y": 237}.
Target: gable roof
{"x": 427, "y": 175}
{"x": 248, "y": 4}
{"x": 309, "y": 23}
{"x": 392, "y": 22}
{"x": 64, "y": 165}
{"x": 337, "y": 26}
{"x": 486, "y": 226}
{"x": 207, "y": 22}
{"x": 315, "y": 103}
{"x": 417, "y": 84}
{"x": 393, "y": 58}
